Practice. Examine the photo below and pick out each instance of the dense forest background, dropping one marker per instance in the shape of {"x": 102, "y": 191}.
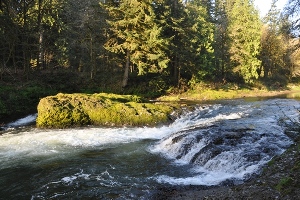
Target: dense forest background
{"x": 147, "y": 47}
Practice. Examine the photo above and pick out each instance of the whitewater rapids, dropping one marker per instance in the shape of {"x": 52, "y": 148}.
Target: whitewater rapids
{"x": 225, "y": 141}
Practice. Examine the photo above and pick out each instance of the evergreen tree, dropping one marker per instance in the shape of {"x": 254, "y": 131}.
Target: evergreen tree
{"x": 137, "y": 36}
{"x": 271, "y": 43}
{"x": 188, "y": 26}
{"x": 292, "y": 10}
{"x": 272, "y": 54}
{"x": 221, "y": 40}
{"x": 277, "y": 46}
{"x": 244, "y": 28}
{"x": 45, "y": 19}
{"x": 17, "y": 33}
{"x": 8, "y": 38}
{"x": 174, "y": 21}
{"x": 33, "y": 28}
{"x": 196, "y": 51}
{"x": 82, "y": 37}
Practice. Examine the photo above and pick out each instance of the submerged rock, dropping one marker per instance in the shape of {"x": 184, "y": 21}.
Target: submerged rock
{"x": 67, "y": 110}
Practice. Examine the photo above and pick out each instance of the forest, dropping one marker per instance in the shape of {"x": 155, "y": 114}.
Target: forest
{"x": 148, "y": 47}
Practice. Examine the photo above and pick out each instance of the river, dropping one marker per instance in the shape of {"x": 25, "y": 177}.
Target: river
{"x": 216, "y": 143}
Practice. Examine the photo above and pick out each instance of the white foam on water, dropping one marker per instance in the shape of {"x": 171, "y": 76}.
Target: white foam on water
{"x": 227, "y": 166}
{"x": 206, "y": 179}
{"x": 49, "y": 142}
{"x": 69, "y": 179}
{"x": 39, "y": 142}
{"x": 23, "y": 121}
{"x": 104, "y": 179}
{"x": 194, "y": 119}
{"x": 46, "y": 143}
{"x": 262, "y": 138}
{"x": 201, "y": 122}
{"x": 60, "y": 142}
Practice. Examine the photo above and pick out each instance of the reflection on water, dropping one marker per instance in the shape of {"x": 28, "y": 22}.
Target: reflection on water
{"x": 293, "y": 95}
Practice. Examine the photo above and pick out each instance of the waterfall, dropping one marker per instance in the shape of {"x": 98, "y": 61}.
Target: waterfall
{"x": 216, "y": 143}
{"x": 229, "y": 142}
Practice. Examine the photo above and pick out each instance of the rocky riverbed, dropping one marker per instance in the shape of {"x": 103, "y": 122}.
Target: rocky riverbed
{"x": 279, "y": 179}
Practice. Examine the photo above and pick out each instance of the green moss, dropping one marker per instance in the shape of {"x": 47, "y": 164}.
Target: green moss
{"x": 284, "y": 183}
{"x": 296, "y": 167}
{"x": 271, "y": 163}
{"x": 65, "y": 110}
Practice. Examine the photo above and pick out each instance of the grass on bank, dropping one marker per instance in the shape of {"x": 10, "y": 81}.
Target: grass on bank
{"x": 20, "y": 96}
{"x": 203, "y": 92}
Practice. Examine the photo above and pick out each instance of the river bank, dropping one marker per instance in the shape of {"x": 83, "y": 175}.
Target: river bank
{"x": 20, "y": 98}
{"x": 205, "y": 93}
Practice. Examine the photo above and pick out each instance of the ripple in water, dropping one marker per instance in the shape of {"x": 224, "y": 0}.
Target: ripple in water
{"x": 211, "y": 145}
{"x": 229, "y": 142}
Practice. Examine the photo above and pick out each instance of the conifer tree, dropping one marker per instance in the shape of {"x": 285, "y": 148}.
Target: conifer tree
{"x": 137, "y": 36}
{"x": 188, "y": 26}
{"x": 292, "y": 10}
{"x": 34, "y": 27}
{"x": 277, "y": 46}
{"x": 174, "y": 22}
{"x": 244, "y": 28}
{"x": 197, "y": 51}
{"x": 83, "y": 35}
{"x": 221, "y": 40}
{"x": 271, "y": 45}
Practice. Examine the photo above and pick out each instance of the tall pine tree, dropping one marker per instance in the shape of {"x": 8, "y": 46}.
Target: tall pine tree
{"x": 187, "y": 24}
{"x": 221, "y": 40}
{"x": 292, "y": 9}
{"x": 197, "y": 54}
{"x": 277, "y": 46}
{"x": 137, "y": 36}
{"x": 244, "y": 27}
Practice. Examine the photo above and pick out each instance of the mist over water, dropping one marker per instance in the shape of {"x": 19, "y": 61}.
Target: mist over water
{"x": 217, "y": 142}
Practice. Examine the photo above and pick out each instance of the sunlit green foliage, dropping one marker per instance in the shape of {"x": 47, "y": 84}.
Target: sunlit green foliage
{"x": 171, "y": 44}
{"x": 244, "y": 29}
{"x": 278, "y": 54}
{"x": 195, "y": 51}
{"x": 136, "y": 34}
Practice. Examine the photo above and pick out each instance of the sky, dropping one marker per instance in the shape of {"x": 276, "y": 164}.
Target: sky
{"x": 265, "y": 5}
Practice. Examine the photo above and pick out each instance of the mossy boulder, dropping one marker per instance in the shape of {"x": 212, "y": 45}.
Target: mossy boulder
{"x": 67, "y": 110}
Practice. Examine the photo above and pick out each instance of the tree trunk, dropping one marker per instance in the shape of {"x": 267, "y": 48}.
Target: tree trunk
{"x": 92, "y": 57}
{"x": 25, "y": 42}
{"x": 126, "y": 72}
{"x": 176, "y": 72}
{"x": 40, "y": 61}
{"x": 40, "y": 56}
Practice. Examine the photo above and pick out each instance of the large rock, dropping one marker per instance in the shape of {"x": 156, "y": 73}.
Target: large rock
{"x": 67, "y": 110}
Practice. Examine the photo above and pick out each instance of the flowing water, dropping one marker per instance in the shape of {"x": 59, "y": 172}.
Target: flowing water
{"x": 216, "y": 143}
